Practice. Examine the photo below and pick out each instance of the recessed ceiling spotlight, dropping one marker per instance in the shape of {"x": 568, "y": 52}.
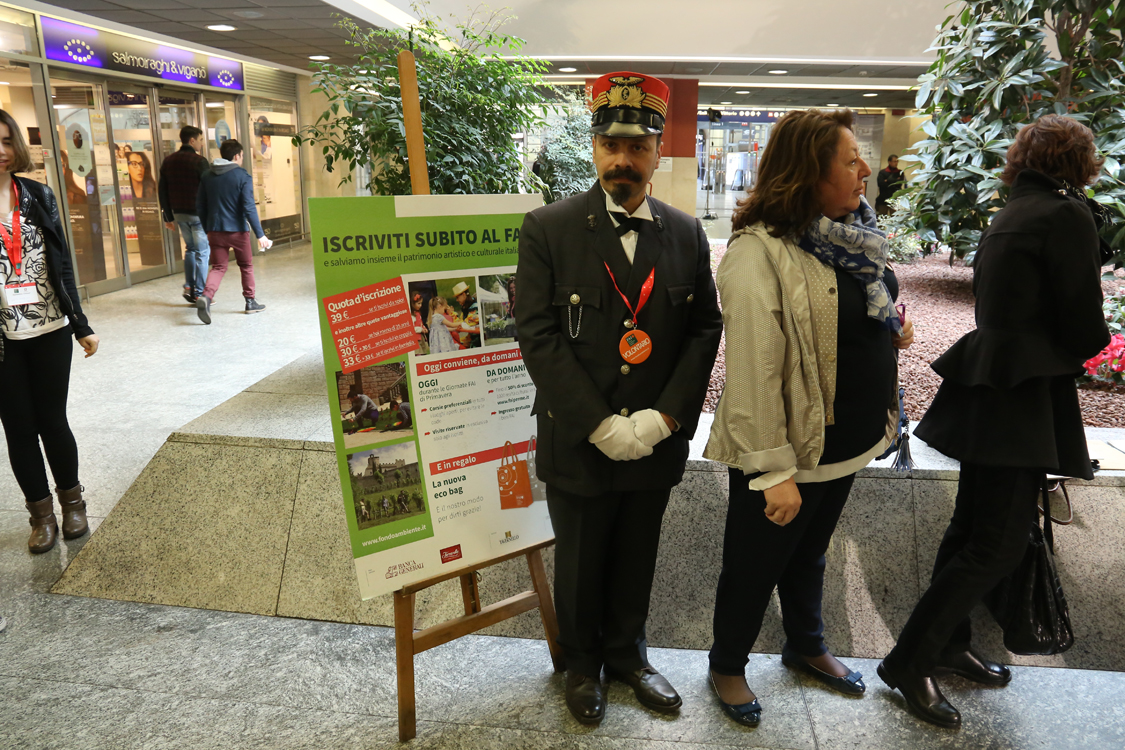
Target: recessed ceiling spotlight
{"x": 319, "y": 57}
{"x": 778, "y": 72}
{"x": 248, "y": 14}
{"x": 221, "y": 27}
{"x": 870, "y": 95}
{"x": 831, "y": 105}
{"x": 724, "y": 102}
{"x": 742, "y": 92}
{"x": 568, "y": 70}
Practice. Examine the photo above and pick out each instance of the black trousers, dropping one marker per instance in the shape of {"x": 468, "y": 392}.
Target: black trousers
{"x": 605, "y": 559}
{"x": 759, "y": 555}
{"x": 986, "y": 540}
{"x": 34, "y": 382}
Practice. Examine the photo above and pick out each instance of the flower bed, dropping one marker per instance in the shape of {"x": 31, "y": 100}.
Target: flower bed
{"x": 939, "y": 299}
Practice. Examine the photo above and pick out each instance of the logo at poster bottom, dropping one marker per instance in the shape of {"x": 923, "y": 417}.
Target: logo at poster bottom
{"x": 449, "y": 554}
{"x": 509, "y": 537}
{"x": 405, "y": 567}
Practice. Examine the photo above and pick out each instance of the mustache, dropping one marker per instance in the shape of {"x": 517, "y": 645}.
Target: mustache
{"x": 622, "y": 172}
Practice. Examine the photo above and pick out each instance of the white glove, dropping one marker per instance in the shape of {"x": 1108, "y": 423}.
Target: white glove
{"x": 649, "y": 426}
{"x": 616, "y": 438}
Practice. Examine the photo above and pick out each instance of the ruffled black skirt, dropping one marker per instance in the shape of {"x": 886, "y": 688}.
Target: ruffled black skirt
{"x": 1036, "y": 424}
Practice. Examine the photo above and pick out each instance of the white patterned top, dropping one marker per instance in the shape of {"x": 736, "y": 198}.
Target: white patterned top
{"x": 44, "y": 316}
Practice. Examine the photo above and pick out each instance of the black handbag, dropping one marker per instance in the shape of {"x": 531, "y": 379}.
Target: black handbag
{"x": 1029, "y": 604}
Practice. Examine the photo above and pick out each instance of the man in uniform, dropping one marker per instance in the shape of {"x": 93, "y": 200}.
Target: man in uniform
{"x": 619, "y": 325}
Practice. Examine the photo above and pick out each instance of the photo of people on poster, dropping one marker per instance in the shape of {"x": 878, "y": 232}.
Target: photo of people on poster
{"x": 375, "y": 404}
{"x": 449, "y": 312}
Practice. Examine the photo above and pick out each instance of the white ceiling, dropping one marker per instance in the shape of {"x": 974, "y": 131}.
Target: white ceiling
{"x": 869, "y": 30}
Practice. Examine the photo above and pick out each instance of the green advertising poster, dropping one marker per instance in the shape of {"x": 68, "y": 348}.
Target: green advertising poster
{"x": 430, "y": 400}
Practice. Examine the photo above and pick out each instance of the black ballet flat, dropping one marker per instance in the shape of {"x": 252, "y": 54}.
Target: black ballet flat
{"x": 850, "y": 685}
{"x": 746, "y": 714}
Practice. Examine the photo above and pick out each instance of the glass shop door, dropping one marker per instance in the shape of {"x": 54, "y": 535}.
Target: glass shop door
{"x": 136, "y": 154}
{"x": 90, "y": 185}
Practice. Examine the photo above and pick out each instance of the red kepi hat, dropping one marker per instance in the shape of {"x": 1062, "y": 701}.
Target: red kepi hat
{"x": 628, "y": 105}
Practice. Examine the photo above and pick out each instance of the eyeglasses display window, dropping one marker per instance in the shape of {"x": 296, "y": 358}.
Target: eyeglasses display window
{"x": 136, "y": 179}
{"x": 88, "y": 180}
{"x": 275, "y": 167}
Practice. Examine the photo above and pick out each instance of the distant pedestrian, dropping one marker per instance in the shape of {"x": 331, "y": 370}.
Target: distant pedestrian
{"x": 179, "y": 185}
{"x": 890, "y": 182}
{"x": 225, "y": 204}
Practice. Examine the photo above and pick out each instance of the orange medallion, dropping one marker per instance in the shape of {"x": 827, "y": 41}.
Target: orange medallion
{"x": 635, "y": 346}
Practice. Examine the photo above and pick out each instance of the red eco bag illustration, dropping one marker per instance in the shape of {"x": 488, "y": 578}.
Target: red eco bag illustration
{"x": 514, "y": 481}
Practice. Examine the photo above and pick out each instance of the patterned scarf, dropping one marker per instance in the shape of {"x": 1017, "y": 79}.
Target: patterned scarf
{"x": 858, "y": 246}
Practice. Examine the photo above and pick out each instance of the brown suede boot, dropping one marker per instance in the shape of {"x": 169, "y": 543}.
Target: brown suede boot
{"x": 73, "y": 509}
{"x": 44, "y": 526}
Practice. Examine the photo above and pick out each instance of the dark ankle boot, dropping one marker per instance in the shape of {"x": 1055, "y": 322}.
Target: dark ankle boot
{"x": 44, "y": 526}
{"x": 922, "y": 694}
{"x": 73, "y": 509}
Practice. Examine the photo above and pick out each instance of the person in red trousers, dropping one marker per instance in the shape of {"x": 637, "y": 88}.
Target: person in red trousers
{"x": 225, "y": 204}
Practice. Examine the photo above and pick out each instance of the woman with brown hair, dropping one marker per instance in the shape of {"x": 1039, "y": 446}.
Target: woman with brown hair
{"x": 39, "y": 311}
{"x": 1008, "y": 406}
{"x": 810, "y": 396}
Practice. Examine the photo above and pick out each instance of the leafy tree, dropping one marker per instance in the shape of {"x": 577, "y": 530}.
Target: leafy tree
{"x": 995, "y": 73}
{"x": 472, "y": 101}
{"x": 398, "y": 476}
{"x": 567, "y": 166}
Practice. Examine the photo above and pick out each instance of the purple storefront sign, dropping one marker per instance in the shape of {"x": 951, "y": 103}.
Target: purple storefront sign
{"x": 82, "y": 45}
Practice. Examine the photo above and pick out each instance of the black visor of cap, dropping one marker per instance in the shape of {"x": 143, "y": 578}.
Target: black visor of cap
{"x": 647, "y": 119}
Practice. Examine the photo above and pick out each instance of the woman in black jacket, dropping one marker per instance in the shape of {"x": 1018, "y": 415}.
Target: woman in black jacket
{"x": 38, "y": 311}
{"x": 1008, "y": 406}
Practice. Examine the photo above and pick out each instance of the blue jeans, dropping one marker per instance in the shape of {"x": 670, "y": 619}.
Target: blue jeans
{"x": 198, "y": 255}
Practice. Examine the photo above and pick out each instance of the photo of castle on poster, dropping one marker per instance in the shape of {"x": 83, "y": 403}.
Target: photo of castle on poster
{"x": 375, "y": 404}
{"x": 386, "y": 484}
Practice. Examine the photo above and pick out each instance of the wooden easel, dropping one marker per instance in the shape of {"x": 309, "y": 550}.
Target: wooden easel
{"x": 407, "y": 642}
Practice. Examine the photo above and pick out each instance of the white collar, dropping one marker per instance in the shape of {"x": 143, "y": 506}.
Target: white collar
{"x": 642, "y": 211}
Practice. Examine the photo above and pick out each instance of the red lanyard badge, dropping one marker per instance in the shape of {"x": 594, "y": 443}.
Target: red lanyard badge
{"x": 636, "y": 345}
{"x": 14, "y": 241}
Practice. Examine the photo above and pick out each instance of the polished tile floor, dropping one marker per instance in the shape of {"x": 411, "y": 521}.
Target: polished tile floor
{"x": 79, "y": 672}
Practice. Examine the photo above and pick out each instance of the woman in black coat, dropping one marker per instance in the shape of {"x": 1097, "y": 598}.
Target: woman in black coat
{"x": 39, "y": 312}
{"x": 1008, "y": 406}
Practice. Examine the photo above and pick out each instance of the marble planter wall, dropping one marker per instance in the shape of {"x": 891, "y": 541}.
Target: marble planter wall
{"x": 263, "y": 533}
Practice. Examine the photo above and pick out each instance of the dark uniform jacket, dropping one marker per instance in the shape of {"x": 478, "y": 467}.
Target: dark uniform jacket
{"x": 570, "y": 321}
{"x": 1008, "y": 396}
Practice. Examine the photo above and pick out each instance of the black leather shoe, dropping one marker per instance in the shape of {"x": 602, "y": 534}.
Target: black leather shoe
{"x": 973, "y": 666}
{"x": 923, "y": 696}
{"x": 746, "y": 714}
{"x": 650, "y": 687}
{"x": 850, "y": 685}
{"x": 585, "y": 697}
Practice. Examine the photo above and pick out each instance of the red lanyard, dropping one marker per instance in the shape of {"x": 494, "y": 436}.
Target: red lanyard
{"x": 14, "y": 241}
{"x": 646, "y": 290}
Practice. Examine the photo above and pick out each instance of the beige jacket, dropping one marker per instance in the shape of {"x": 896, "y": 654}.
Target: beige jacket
{"x": 779, "y": 313}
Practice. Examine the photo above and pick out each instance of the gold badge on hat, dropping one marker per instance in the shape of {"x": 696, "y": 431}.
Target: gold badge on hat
{"x": 625, "y": 92}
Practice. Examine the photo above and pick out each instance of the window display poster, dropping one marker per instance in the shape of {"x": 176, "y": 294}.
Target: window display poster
{"x": 429, "y": 396}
